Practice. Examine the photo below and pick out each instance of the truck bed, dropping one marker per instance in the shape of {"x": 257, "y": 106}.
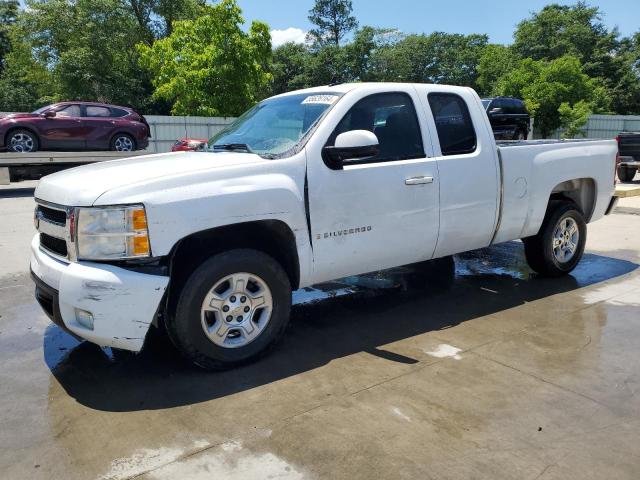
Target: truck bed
{"x": 532, "y": 170}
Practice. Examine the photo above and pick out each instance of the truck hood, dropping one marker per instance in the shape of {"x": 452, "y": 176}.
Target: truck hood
{"x": 82, "y": 186}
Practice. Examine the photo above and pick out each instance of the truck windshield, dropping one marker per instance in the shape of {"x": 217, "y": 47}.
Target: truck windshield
{"x": 275, "y": 126}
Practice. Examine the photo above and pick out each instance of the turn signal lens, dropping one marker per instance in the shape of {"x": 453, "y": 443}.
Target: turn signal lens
{"x": 140, "y": 246}
{"x": 139, "y": 219}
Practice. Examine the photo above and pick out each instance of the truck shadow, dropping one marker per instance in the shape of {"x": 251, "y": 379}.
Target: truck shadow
{"x": 332, "y": 321}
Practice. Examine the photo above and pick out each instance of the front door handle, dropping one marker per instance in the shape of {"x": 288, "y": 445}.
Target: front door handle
{"x": 418, "y": 180}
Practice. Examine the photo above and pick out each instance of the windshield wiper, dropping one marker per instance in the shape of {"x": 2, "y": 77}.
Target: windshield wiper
{"x": 233, "y": 147}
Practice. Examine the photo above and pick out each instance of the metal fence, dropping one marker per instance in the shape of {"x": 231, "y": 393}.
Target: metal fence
{"x": 606, "y": 126}
{"x": 166, "y": 130}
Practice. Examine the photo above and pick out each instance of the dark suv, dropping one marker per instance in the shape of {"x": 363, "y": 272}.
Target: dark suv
{"x": 508, "y": 117}
{"x": 75, "y": 126}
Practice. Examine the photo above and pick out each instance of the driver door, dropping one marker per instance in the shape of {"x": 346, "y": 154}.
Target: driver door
{"x": 379, "y": 212}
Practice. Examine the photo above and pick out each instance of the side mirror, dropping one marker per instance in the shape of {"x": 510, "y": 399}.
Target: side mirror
{"x": 49, "y": 114}
{"x": 351, "y": 146}
{"x": 495, "y": 111}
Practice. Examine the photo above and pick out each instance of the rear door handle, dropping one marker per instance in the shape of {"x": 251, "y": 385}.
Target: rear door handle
{"x": 418, "y": 180}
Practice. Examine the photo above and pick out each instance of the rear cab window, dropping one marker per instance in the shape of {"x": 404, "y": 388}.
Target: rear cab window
{"x": 454, "y": 127}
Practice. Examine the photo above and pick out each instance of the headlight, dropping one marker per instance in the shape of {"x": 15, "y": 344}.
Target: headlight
{"x": 112, "y": 233}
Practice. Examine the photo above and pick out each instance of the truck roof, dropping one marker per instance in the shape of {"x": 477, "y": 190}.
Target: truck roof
{"x": 342, "y": 88}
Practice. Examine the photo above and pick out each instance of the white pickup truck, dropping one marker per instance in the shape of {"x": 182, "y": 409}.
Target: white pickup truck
{"x": 305, "y": 187}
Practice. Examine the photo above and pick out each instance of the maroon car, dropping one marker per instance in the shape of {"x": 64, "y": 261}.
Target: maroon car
{"x": 75, "y": 126}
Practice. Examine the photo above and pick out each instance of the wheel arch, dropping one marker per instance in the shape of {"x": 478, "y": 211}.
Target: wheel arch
{"x": 581, "y": 191}
{"x": 13, "y": 128}
{"x": 272, "y": 237}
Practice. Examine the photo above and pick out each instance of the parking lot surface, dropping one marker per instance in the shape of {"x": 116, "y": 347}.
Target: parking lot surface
{"x": 473, "y": 370}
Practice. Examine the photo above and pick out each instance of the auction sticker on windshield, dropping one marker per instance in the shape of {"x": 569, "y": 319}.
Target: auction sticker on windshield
{"x": 322, "y": 99}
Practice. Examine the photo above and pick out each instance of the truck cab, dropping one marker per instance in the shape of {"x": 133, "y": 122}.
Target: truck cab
{"x": 305, "y": 187}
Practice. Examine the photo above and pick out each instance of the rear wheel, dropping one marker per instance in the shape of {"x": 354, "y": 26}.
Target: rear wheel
{"x": 626, "y": 174}
{"x": 123, "y": 143}
{"x": 558, "y": 247}
{"x": 232, "y": 309}
{"x": 22, "y": 141}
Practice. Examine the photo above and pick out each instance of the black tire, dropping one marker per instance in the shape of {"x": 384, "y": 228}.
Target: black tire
{"x": 626, "y": 174}
{"x": 120, "y": 140}
{"x": 539, "y": 250}
{"x": 30, "y": 140}
{"x": 185, "y": 328}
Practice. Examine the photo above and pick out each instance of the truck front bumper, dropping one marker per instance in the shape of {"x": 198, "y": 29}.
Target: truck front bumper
{"x": 101, "y": 303}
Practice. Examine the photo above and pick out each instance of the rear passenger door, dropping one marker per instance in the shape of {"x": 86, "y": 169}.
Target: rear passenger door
{"x": 468, "y": 169}
{"x": 98, "y": 125}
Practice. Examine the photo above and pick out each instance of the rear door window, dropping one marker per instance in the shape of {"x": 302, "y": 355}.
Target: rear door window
{"x": 453, "y": 123}
{"x": 97, "y": 111}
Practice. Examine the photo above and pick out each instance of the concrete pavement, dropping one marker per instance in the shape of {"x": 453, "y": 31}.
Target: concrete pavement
{"x": 480, "y": 370}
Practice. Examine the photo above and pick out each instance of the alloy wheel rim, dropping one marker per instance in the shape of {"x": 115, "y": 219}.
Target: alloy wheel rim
{"x": 21, "y": 142}
{"x": 236, "y": 310}
{"x": 123, "y": 144}
{"x": 565, "y": 239}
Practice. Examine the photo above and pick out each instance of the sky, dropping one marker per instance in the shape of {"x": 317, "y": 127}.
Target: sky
{"x": 497, "y": 18}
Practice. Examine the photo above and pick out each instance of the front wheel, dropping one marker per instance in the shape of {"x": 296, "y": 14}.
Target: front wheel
{"x": 22, "y": 141}
{"x": 558, "y": 247}
{"x": 232, "y": 309}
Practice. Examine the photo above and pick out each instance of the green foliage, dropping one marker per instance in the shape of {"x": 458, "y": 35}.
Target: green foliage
{"x": 289, "y": 67}
{"x": 8, "y": 15}
{"x": 494, "y": 63}
{"x": 546, "y": 85}
{"x": 89, "y": 48}
{"x": 578, "y": 30}
{"x": 573, "y": 118}
{"x": 436, "y": 58}
{"x": 333, "y": 20}
{"x": 209, "y": 65}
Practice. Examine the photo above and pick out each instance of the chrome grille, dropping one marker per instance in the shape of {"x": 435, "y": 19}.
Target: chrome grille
{"x": 52, "y": 222}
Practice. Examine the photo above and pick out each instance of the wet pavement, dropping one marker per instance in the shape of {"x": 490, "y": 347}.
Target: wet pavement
{"x": 473, "y": 368}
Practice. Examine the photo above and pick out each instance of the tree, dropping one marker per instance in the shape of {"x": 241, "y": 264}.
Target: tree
{"x": 8, "y": 14}
{"x": 546, "y": 86}
{"x": 435, "y": 58}
{"x": 573, "y": 118}
{"x": 290, "y": 67}
{"x": 494, "y": 63}
{"x": 89, "y": 48}
{"x": 333, "y": 20}
{"x": 209, "y": 65}
{"x": 578, "y": 30}
{"x": 155, "y": 17}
